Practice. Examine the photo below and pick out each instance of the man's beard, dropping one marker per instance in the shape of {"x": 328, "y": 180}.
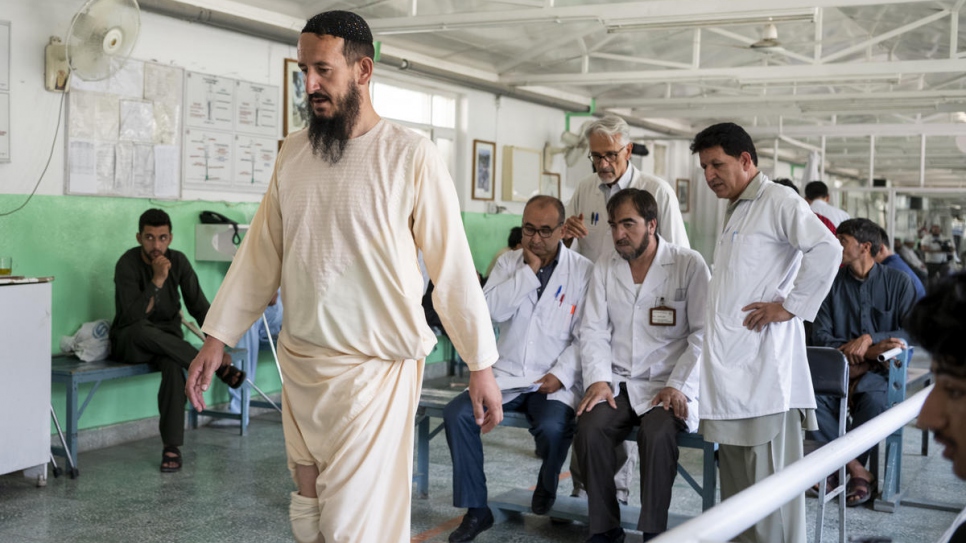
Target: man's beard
{"x": 635, "y": 253}
{"x": 329, "y": 137}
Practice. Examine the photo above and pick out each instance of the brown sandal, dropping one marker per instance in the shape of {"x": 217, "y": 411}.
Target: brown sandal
{"x": 230, "y": 375}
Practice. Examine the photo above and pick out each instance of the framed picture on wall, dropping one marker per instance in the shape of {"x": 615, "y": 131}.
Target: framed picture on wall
{"x": 295, "y": 102}
{"x": 550, "y": 184}
{"x": 484, "y": 160}
{"x": 683, "y": 189}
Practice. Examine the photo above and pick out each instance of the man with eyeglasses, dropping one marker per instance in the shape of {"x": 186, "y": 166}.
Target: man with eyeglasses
{"x": 535, "y": 295}
{"x": 640, "y": 344}
{"x": 610, "y": 155}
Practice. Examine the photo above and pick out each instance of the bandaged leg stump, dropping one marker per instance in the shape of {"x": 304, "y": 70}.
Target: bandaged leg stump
{"x": 303, "y": 512}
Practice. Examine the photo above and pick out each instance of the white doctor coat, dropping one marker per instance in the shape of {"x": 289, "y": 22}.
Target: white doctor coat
{"x": 618, "y": 343}
{"x": 590, "y": 200}
{"x": 773, "y": 249}
{"x": 538, "y": 336}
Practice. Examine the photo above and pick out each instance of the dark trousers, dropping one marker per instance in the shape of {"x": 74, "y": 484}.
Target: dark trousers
{"x": 867, "y": 400}
{"x": 598, "y": 432}
{"x": 145, "y": 342}
{"x": 551, "y": 424}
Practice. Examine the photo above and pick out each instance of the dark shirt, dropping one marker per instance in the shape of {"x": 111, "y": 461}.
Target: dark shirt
{"x": 896, "y": 262}
{"x": 875, "y": 306}
{"x": 544, "y": 273}
{"x": 133, "y": 291}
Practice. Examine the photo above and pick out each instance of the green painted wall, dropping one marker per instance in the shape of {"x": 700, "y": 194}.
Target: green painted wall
{"x": 78, "y": 239}
{"x": 487, "y": 234}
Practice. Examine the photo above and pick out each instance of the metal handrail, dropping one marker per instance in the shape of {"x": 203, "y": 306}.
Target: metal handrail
{"x": 732, "y": 516}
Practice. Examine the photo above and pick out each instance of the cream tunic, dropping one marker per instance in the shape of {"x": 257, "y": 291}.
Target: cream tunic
{"x": 342, "y": 239}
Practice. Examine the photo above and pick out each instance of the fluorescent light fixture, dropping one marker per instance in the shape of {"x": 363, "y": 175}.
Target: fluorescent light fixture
{"x": 713, "y": 20}
{"x": 482, "y": 23}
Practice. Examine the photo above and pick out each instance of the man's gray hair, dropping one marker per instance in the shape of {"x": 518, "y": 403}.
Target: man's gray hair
{"x": 610, "y": 126}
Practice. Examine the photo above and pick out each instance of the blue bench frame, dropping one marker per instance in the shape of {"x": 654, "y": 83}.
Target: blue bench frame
{"x": 431, "y": 405}
{"x": 72, "y": 372}
{"x": 892, "y": 493}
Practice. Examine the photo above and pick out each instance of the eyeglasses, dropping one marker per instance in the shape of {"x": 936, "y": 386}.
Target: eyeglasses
{"x": 610, "y": 156}
{"x": 544, "y": 232}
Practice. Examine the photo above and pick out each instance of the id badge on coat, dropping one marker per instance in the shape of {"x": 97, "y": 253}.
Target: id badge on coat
{"x": 662, "y": 315}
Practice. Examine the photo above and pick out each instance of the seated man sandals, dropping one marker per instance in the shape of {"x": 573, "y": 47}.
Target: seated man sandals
{"x": 640, "y": 343}
{"x": 535, "y": 295}
{"x": 147, "y": 323}
{"x": 862, "y": 317}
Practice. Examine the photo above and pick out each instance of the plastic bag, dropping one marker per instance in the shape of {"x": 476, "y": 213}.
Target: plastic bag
{"x": 90, "y": 343}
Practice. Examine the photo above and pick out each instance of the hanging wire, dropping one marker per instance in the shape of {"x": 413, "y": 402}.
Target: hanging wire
{"x": 60, "y": 114}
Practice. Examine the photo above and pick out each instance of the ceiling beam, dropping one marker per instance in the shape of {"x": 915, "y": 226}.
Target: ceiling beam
{"x": 623, "y": 12}
{"x": 746, "y": 74}
{"x": 883, "y": 37}
{"x": 765, "y": 100}
{"x": 859, "y": 130}
{"x": 548, "y": 46}
{"x": 638, "y": 60}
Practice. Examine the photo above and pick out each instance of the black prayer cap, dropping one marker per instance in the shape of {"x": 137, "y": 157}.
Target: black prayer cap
{"x": 341, "y": 24}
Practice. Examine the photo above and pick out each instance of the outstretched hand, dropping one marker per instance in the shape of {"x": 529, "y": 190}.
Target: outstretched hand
{"x": 486, "y": 398}
{"x": 210, "y": 358}
{"x": 574, "y": 227}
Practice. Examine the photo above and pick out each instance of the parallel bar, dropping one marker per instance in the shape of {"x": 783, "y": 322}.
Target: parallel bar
{"x": 733, "y": 516}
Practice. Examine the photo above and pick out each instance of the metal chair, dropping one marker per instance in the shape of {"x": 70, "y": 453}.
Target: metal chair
{"x": 830, "y": 377}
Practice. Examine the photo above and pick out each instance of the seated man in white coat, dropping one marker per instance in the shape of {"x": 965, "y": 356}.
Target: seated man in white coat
{"x": 640, "y": 342}
{"x": 535, "y": 294}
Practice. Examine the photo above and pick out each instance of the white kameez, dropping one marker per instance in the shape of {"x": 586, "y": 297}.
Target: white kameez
{"x": 343, "y": 239}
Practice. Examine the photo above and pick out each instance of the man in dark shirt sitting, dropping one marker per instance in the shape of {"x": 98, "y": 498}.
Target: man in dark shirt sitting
{"x": 862, "y": 317}
{"x": 147, "y": 322}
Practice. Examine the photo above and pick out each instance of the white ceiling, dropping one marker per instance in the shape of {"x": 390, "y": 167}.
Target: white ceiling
{"x": 896, "y": 70}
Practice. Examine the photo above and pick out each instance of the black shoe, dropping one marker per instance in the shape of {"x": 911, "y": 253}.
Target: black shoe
{"x": 610, "y": 536}
{"x": 471, "y": 527}
{"x": 542, "y": 502}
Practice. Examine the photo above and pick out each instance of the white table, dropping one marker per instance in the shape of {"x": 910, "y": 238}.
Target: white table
{"x": 25, "y": 379}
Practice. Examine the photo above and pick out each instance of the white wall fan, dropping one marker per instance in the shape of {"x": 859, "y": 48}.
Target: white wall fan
{"x": 574, "y": 148}
{"x": 101, "y": 36}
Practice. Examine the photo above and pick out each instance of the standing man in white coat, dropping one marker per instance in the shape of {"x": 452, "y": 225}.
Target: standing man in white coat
{"x": 610, "y": 154}
{"x": 536, "y": 296}
{"x": 640, "y": 341}
{"x": 774, "y": 263}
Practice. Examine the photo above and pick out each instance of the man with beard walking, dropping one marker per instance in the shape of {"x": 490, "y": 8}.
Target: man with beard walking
{"x": 352, "y": 200}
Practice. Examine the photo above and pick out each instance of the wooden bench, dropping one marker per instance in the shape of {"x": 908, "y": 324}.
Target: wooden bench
{"x": 431, "y": 404}
{"x": 72, "y": 372}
